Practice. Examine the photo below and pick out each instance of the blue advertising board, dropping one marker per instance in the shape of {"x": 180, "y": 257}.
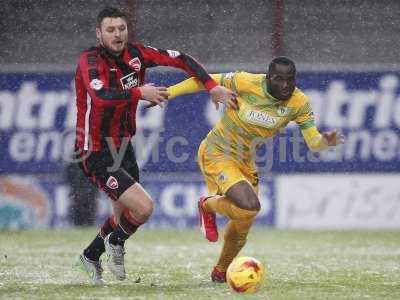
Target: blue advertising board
{"x": 44, "y": 201}
{"x": 37, "y": 118}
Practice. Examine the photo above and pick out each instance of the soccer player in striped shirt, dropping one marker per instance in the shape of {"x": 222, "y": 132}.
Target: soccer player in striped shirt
{"x": 109, "y": 82}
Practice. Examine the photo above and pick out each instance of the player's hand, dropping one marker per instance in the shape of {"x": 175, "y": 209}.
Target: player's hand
{"x": 156, "y": 95}
{"x": 333, "y": 138}
{"x": 220, "y": 94}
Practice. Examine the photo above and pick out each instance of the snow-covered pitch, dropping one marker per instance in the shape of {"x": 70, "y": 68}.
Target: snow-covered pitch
{"x": 173, "y": 264}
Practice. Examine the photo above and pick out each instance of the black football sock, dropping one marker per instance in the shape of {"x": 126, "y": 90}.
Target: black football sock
{"x": 95, "y": 249}
{"x": 119, "y": 236}
{"x": 108, "y": 227}
{"x": 124, "y": 230}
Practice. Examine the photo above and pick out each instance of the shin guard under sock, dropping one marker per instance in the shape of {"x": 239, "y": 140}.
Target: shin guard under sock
{"x": 235, "y": 236}
{"x": 127, "y": 226}
{"x": 96, "y": 247}
{"x": 234, "y": 241}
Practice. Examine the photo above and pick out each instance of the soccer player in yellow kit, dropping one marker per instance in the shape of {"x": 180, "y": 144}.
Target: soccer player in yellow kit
{"x": 266, "y": 103}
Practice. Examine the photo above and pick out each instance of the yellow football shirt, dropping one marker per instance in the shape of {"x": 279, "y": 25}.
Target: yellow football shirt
{"x": 259, "y": 116}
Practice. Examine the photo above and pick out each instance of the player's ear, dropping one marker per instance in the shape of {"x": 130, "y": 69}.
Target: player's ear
{"x": 98, "y": 33}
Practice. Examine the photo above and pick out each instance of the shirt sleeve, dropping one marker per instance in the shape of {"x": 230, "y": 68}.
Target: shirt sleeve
{"x": 188, "y": 86}
{"x": 305, "y": 120}
{"x": 240, "y": 81}
{"x": 305, "y": 116}
{"x": 314, "y": 139}
{"x": 229, "y": 80}
{"x": 95, "y": 81}
{"x": 193, "y": 85}
{"x": 159, "y": 57}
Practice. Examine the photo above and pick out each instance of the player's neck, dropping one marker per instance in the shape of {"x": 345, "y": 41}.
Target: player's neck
{"x": 111, "y": 53}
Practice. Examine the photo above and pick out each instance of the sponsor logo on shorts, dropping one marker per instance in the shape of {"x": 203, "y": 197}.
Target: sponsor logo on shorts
{"x": 112, "y": 183}
{"x": 96, "y": 84}
{"x": 135, "y": 64}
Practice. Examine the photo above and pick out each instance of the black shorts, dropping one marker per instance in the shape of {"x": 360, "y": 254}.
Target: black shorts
{"x": 107, "y": 174}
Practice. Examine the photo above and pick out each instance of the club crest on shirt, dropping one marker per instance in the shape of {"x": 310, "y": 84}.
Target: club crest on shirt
{"x": 112, "y": 183}
{"x": 96, "y": 84}
{"x": 130, "y": 81}
{"x": 135, "y": 64}
{"x": 283, "y": 111}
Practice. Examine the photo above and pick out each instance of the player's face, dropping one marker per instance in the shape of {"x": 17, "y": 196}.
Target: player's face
{"x": 113, "y": 34}
{"x": 282, "y": 82}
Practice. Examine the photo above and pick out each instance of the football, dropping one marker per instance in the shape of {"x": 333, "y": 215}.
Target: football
{"x": 245, "y": 275}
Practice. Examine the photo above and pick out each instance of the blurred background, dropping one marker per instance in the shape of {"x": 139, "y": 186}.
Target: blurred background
{"x": 348, "y": 62}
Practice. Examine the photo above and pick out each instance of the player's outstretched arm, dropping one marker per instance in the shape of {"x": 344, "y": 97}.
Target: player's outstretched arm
{"x": 317, "y": 142}
{"x": 219, "y": 94}
{"x": 186, "y": 87}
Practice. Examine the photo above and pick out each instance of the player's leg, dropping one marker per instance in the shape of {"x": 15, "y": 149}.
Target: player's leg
{"x": 137, "y": 204}
{"x": 221, "y": 176}
{"x": 89, "y": 261}
{"x": 96, "y": 247}
{"x": 207, "y": 219}
{"x": 240, "y": 203}
{"x": 122, "y": 223}
{"x": 137, "y": 209}
{"x": 235, "y": 238}
{"x": 129, "y": 164}
{"x": 241, "y": 206}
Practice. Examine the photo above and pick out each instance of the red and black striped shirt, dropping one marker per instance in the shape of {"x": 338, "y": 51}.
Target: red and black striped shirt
{"x": 107, "y": 90}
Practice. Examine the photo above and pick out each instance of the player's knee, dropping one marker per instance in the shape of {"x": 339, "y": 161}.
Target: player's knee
{"x": 145, "y": 209}
{"x": 255, "y": 205}
{"x": 138, "y": 202}
{"x": 148, "y": 209}
{"x": 243, "y": 196}
{"x": 252, "y": 203}
{"x": 138, "y": 216}
{"x": 242, "y": 214}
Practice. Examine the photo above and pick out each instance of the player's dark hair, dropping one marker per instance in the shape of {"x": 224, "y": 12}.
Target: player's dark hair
{"x": 110, "y": 12}
{"x": 280, "y": 60}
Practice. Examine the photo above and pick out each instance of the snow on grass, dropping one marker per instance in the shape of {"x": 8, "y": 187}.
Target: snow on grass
{"x": 176, "y": 264}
